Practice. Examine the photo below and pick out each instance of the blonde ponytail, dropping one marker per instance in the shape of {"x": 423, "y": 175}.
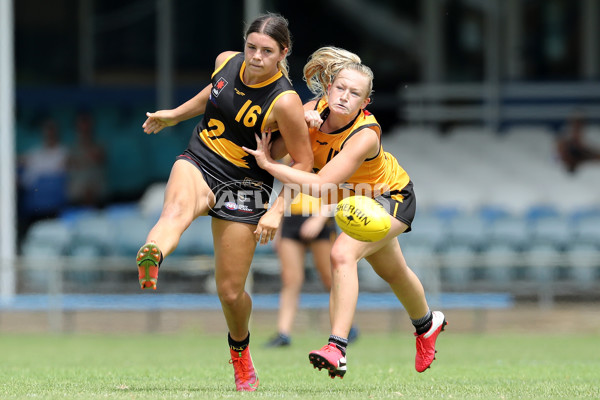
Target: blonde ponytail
{"x": 324, "y": 64}
{"x": 284, "y": 68}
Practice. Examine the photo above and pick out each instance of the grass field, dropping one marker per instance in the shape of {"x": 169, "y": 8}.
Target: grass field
{"x": 380, "y": 366}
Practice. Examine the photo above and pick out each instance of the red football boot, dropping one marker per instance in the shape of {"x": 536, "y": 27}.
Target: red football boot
{"x": 426, "y": 342}
{"x": 148, "y": 259}
{"x": 246, "y": 378}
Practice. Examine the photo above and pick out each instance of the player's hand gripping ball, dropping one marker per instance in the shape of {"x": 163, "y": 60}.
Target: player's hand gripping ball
{"x": 362, "y": 218}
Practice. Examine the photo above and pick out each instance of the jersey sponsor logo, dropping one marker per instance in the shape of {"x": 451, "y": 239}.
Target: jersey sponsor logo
{"x": 230, "y": 205}
{"x": 219, "y": 86}
{"x": 249, "y": 182}
{"x": 322, "y": 143}
{"x": 239, "y": 92}
{"x": 236, "y": 200}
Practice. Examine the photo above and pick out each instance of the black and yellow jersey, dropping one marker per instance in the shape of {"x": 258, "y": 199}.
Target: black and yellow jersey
{"x": 234, "y": 113}
{"x": 381, "y": 170}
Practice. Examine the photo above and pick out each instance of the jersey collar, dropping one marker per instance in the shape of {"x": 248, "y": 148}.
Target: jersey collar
{"x": 272, "y": 79}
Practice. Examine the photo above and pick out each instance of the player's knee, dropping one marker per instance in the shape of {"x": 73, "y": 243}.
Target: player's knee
{"x": 177, "y": 212}
{"x": 340, "y": 258}
{"x": 229, "y": 296}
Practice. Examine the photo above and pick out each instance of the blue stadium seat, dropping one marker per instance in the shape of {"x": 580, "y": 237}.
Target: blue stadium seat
{"x": 584, "y": 261}
{"x": 492, "y": 213}
{"x": 94, "y": 231}
{"x": 552, "y": 230}
{"x": 457, "y": 263}
{"x": 512, "y": 231}
{"x": 542, "y": 262}
{"x": 500, "y": 260}
{"x": 427, "y": 230}
{"x": 469, "y": 230}
{"x": 45, "y": 243}
{"x": 421, "y": 257}
{"x": 587, "y": 230}
{"x": 70, "y": 215}
{"x": 86, "y": 257}
{"x": 131, "y": 231}
{"x": 197, "y": 239}
{"x": 51, "y": 236}
{"x": 539, "y": 211}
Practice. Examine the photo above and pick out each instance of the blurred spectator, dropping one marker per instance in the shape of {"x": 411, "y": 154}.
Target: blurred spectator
{"x": 43, "y": 177}
{"x": 571, "y": 146}
{"x": 87, "y": 159}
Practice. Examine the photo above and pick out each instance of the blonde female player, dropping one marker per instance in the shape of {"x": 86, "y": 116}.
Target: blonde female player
{"x": 346, "y": 143}
{"x": 249, "y": 92}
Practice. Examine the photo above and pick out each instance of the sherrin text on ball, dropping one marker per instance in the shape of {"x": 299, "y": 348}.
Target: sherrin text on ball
{"x": 362, "y": 218}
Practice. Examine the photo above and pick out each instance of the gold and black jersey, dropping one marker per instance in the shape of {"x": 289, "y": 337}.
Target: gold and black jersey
{"x": 234, "y": 113}
{"x": 383, "y": 170}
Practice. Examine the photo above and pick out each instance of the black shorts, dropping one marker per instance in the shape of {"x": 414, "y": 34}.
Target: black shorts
{"x": 400, "y": 204}
{"x": 290, "y": 228}
{"x": 244, "y": 200}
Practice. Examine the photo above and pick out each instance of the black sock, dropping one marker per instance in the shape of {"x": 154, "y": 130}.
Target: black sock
{"x": 238, "y": 346}
{"x": 339, "y": 342}
{"x": 422, "y": 325}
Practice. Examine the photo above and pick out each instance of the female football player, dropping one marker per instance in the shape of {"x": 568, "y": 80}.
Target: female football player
{"x": 249, "y": 93}
{"x": 346, "y": 143}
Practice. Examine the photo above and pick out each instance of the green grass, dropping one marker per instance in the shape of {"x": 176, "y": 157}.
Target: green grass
{"x": 380, "y": 366}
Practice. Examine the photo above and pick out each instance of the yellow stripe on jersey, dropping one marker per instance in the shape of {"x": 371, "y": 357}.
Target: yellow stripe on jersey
{"x": 264, "y": 123}
{"x": 223, "y": 147}
{"x": 272, "y": 79}
{"x": 223, "y": 64}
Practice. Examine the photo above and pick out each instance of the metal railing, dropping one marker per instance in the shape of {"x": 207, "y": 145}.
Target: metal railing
{"x": 494, "y": 105}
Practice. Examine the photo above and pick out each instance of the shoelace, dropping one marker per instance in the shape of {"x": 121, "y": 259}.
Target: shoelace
{"x": 241, "y": 365}
{"x": 330, "y": 348}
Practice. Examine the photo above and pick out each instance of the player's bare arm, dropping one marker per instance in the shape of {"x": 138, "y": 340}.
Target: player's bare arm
{"x": 287, "y": 116}
{"x": 312, "y": 116}
{"x": 293, "y": 129}
{"x": 360, "y": 147}
{"x": 158, "y": 120}
{"x": 192, "y": 108}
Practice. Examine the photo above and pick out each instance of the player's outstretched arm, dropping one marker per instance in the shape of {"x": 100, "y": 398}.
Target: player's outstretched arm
{"x": 158, "y": 120}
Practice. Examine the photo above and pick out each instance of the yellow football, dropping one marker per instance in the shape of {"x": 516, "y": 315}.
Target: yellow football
{"x": 362, "y": 218}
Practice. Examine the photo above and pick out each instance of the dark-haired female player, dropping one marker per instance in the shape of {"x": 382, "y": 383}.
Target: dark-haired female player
{"x": 249, "y": 93}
